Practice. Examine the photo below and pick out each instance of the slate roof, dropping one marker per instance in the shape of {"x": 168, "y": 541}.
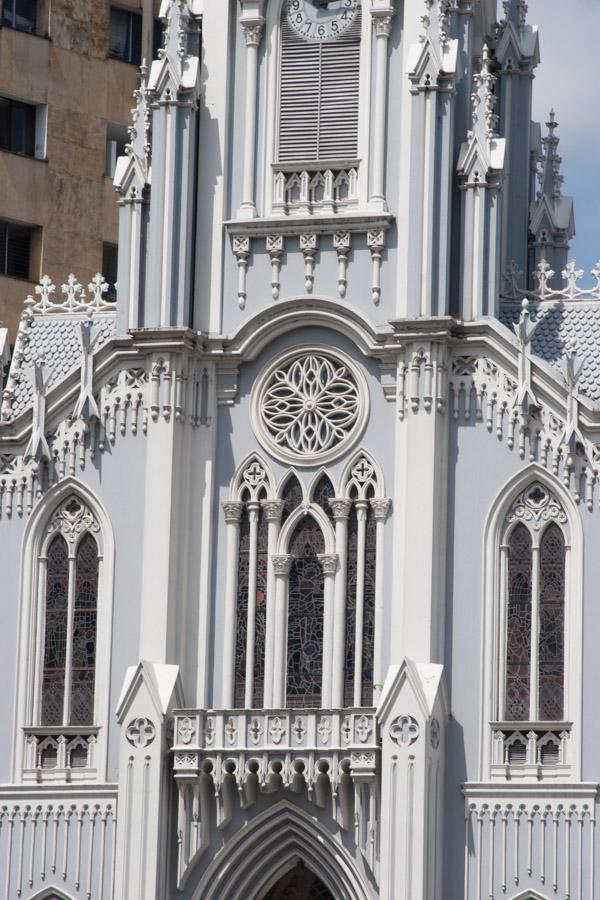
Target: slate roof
{"x": 559, "y": 323}
{"x": 57, "y": 337}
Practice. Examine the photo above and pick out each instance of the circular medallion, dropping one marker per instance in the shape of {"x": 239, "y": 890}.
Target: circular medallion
{"x": 309, "y": 405}
{"x": 321, "y": 20}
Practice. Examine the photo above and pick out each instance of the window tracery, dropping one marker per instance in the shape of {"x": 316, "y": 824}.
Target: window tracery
{"x": 306, "y": 589}
{"x": 70, "y": 619}
{"x": 535, "y": 617}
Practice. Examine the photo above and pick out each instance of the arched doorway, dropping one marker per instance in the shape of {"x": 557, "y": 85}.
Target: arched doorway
{"x": 299, "y": 884}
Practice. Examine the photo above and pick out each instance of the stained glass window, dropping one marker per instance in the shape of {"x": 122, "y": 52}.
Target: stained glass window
{"x": 56, "y": 628}
{"x": 262, "y": 559}
{"x": 79, "y": 634}
{"x": 368, "y": 654}
{"x": 83, "y": 666}
{"x": 518, "y": 631}
{"x": 351, "y": 581}
{"x": 552, "y": 624}
{"x": 292, "y": 497}
{"x": 323, "y": 494}
{"x": 242, "y": 611}
{"x": 305, "y": 617}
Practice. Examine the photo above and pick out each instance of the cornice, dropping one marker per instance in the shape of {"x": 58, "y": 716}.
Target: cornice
{"x": 296, "y": 225}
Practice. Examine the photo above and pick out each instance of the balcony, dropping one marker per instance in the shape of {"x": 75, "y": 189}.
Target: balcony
{"x": 59, "y": 755}
{"x": 530, "y": 751}
{"x": 222, "y": 758}
{"x": 315, "y": 189}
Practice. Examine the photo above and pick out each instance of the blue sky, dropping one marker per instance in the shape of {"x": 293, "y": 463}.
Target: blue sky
{"x": 567, "y": 81}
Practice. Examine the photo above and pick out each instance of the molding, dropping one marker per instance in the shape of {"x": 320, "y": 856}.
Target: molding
{"x": 354, "y": 223}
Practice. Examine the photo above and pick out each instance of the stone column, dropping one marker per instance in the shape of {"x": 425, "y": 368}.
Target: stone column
{"x": 281, "y": 567}
{"x": 273, "y": 510}
{"x": 252, "y": 25}
{"x": 341, "y": 511}
{"x": 382, "y": 25}
{"x": 381, "y": 508}
{"x": 253, "y": 513}
{"x": 233, "y": 514}
{"x": 329, "y": 564}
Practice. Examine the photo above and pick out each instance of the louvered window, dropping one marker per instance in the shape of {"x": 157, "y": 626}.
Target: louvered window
{"x": 319, "y": 94}
{"x": 15, "y": 249}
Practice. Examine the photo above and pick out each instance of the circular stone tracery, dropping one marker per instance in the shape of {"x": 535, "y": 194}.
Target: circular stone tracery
{"x": 309, "y": 406}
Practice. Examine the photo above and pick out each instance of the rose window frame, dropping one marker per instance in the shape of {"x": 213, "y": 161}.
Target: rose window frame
{"x": 344, "y": 414}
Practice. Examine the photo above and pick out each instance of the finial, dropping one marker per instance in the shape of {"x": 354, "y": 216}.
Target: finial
{"x": 515, "y": 11}
{"x": 484, "y": 97}
{"x": 551, "y": 180}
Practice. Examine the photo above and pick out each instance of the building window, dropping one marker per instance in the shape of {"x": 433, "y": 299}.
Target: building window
{"x": 287, "y": 551}
{"x": 535, "y": 626}
{"x": 68, "y": 674}
{"x": 125, "y": 35}
{"x": 20, "y": 14}
{"x": 117, "y": 138}
{"x": 110, "y": 261}
{"x": 17, "y": 126}
{"x": 15, "y": 249}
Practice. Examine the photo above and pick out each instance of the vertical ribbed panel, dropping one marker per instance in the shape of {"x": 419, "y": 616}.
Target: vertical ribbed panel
{"x": 318, "y": 106}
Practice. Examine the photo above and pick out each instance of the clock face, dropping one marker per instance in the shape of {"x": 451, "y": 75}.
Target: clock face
{"x": 321, "y": 20}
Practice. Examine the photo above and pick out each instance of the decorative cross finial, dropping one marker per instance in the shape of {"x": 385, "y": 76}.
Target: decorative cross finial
{"x": 512, "y": 279}
{"x": 573, "y": 368}
{"x": 524, "y": 330}
{"x": 86, "y": 407}
{"x": 37, "y": 448}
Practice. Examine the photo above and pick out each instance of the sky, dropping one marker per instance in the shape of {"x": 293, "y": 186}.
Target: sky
{"x": 566, "y": 80}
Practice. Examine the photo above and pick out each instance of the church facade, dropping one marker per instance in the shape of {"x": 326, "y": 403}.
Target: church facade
{"x": 297, "y": 539}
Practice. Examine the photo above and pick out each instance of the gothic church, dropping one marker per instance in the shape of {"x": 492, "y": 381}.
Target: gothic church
{"x": 299, "y": 538}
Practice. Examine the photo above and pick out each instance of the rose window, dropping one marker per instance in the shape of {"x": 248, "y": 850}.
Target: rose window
{"x": 309, "y": 406}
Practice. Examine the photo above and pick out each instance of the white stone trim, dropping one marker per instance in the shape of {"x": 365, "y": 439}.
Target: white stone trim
{"x": 492, "y": 618}
{"x": 362, "y": 405}
{"x": 30, "y": 618}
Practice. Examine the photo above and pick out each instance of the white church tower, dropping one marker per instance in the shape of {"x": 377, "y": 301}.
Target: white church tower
{"x": 298, "y": 538}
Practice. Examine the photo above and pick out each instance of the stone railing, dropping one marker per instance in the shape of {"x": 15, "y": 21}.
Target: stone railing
{"x": 522, "y": 750}
{"x": 59, "y": 754}
{"x": 307, "y": 190}
{"x": 330, "y": 756}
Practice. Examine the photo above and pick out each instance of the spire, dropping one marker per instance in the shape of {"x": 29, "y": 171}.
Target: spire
{"x": 515, "y": 11}
{"x": 483, "y": 101}
{"x": 551, "y": 178}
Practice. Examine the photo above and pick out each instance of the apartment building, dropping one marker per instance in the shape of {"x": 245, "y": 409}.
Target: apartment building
{"x": 68, "y": 69}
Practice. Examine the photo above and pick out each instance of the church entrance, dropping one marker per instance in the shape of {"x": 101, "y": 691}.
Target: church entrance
{"x": 299, "y": 884}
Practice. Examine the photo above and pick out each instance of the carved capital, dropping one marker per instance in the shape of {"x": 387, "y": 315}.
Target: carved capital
{"x": 241, "y": 246}
{"x": 275, "y": 244}
{"x": 233, "y": 510}
{"x": 273, "y": 510}
{"x": 253, "y": 32}
{"x": 362, "y": 507}
{"x": 329, "y": 563}
{"x": 381, "y": 508}
{"x": 382, "y": 23}
{"x": 253, "y": 507}
{"x": 341, "y": 241}
{"x": 340, "y": 507}
{"x": 308, "y": 242}
{"x": 282, "y": 564}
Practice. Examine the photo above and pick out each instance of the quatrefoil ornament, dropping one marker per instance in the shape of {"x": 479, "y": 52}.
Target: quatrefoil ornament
{"x": 404, "y": 731}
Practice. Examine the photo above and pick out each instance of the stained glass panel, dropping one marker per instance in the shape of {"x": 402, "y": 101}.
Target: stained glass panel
{"x": 83, "y": 667}
{"x": 262, "y": 559}
{"x": 552, "y": 625}
{"x": 242, "y": 612}
{"x": 305, "y": 617}
{"x": 323, "y": 494}
{"x": 55, "y": 632}
{"x": 351, "y": 580}
{"x": 369, "y": 610}
{"x": 518, "y": 626}
{"x": 292, "y": 497}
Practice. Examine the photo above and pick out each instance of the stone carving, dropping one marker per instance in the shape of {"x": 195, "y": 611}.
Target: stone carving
{"x": 72, "y": 518}
{"x": 187, "y": 730}
{"x": 309, "y": 406}
{"x": 276, "y": 730}
{"x": 363, "y": 729}
{"x": 404, "y": 731}
{"x": 434, "y": 734}
{"x": 536, "y": 506}
{"x": 140, "y": 732}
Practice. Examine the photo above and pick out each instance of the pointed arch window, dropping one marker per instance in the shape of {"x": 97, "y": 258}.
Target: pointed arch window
{"x": 70, "y": 629}
{"x": 306, "y": 609}
{"x": 534, "y": 688}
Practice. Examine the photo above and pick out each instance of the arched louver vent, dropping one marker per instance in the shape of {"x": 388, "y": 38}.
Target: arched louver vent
{"x": 319, "y": 93}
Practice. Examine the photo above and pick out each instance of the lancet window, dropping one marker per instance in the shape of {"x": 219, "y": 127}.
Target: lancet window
{"x": 535, "y": 558}
{"x": 68, "y": 669}
{"x": 302, "y": 607}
